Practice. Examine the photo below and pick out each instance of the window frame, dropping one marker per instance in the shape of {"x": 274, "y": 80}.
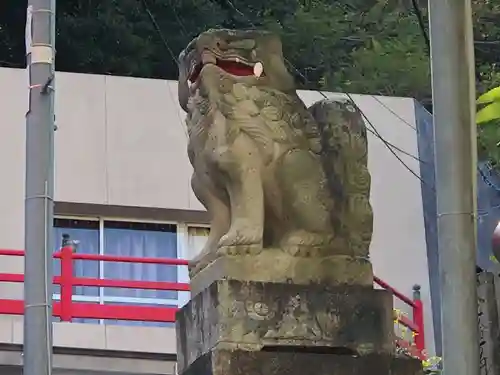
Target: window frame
{"x": 182, "y": 272}
{"x": 182, "y": 252}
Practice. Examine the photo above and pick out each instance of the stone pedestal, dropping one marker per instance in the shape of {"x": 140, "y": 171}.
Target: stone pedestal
{"x": 287, "y": 322}
{"x": 255, "y": 315}
{"x": 274, "y": 265}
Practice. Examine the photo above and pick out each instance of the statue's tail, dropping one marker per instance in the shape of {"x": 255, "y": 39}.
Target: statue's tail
{"x": 344, "y": 155}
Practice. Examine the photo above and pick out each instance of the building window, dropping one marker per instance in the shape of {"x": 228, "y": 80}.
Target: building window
{"x": 140, "y": 240}
{"x": 87, "y": 233}
{"x": 197, "y": 237}
{"x": 122, "y": 238}
{"x": 190, "y": 240}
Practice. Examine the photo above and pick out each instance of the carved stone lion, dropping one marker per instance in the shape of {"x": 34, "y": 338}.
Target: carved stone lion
{"x": 270, "y": 171}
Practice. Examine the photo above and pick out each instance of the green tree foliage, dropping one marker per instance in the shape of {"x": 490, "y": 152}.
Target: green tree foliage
{"x": 365, "y": 46}
{"x": 487, "y": 43}
{"x": 488, "y": 119}
{"x": 360, "y": 46}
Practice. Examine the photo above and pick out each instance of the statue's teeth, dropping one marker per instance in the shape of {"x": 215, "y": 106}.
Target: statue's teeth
{"x": 258, "y": 69}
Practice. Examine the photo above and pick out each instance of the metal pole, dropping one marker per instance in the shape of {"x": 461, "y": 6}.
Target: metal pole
{"x": 39, "y": 189}
{"x": 452, "y": 62}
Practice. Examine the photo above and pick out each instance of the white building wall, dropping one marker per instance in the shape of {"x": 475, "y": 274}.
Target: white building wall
{"x": 122, "y": 142}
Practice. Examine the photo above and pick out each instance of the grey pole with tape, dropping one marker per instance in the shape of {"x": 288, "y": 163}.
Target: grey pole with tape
{"x": 453, "y": 88}
{"x": 39, "y": 188}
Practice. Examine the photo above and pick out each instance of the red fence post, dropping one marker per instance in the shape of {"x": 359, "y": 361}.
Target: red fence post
{"x": 66, "y": 283}
{"x": 418, "y": 319}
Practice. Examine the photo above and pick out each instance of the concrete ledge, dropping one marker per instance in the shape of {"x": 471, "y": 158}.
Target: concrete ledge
{"x": 80, "y": 362}
{"x": 156, "y": 340}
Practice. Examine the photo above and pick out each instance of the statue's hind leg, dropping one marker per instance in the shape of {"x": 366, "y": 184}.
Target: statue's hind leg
{"x": 306, "y": 200}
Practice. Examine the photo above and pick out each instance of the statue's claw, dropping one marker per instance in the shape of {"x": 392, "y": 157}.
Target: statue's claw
{"x": 242, "y": 234}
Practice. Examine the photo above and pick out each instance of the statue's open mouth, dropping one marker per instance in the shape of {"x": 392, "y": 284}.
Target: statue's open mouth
{"x": 233, "y": 67}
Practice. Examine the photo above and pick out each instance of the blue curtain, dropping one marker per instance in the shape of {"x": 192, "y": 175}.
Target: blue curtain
{"x": 140, "y": 243}
{"x": 89, "y": 244}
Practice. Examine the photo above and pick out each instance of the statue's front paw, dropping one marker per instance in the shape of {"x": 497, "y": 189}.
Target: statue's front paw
{"x": 242, "y": 234}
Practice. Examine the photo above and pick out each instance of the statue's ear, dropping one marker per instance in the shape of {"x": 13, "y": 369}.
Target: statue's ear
{"x": 183, "y": 91}
{"x": 182, "y": 86}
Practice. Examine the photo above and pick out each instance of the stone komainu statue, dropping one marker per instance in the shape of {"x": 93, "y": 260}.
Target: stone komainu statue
{"x": 270, "y": 171}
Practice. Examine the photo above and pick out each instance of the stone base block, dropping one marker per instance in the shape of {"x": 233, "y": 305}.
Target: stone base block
{"x": 239, "y": 362}
{"x": 253, "y": 315}
{"x": 278, "y": 266}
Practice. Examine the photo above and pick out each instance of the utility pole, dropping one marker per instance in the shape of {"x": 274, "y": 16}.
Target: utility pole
{"x": 453, "y": 87}
{"x": 39, "y": 188}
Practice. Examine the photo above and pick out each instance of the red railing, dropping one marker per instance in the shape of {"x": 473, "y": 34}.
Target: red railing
{"x": 67, "y": 309}
{"x": 415, "y": 325}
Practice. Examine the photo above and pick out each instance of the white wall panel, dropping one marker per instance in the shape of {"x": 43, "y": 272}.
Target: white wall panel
{"x": 121, "y": 141}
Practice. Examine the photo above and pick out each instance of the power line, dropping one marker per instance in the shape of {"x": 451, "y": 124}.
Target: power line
{"x": 421, "y": 24}
{"x": 181, "y": 24}
{"x": 156, "y": 26}
{"x": 158, "y": 30}
{"x": 374, "y": 131}
{"x": 9, "y": 64}
{"x": 485, "y": 178}
{"x": 393, "y": 112}
{"x": 388, "y": 145}
{"x": 418, "y": 14}
{"x": 425, "y": 35}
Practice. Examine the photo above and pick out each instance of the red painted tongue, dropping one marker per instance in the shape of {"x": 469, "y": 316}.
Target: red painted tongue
{"x": 235, "y": 68}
